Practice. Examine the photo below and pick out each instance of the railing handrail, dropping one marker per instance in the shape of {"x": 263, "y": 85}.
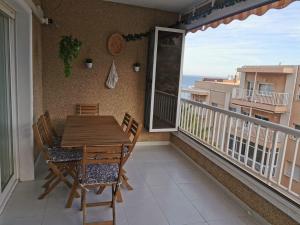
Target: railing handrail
{"x": 263, "y": 123}
{"x": 165, "y": 93}
{"x": 260, "y": 92}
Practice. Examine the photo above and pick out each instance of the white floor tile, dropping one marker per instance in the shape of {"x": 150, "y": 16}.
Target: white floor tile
{"x": 168, "y": 190}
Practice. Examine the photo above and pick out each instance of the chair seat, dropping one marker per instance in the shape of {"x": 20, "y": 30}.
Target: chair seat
{"x": 99, "y": 174}
{"x": 64, "y": 155}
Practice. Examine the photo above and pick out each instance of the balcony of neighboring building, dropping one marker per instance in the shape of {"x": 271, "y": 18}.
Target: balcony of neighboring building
{"x": 269, "y": 101}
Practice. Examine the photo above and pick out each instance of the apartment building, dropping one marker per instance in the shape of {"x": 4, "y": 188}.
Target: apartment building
{"x": 270, "y": 93}
{"x": 215, "y": 92}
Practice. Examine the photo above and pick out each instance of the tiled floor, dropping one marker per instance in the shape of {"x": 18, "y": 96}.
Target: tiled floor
{"x": 168, "y": 190}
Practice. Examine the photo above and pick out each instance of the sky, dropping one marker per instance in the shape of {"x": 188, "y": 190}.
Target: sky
{"x": 271, "y": 39}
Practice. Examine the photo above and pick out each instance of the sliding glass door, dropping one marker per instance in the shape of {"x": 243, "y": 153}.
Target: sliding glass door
{"x": 7, "y": 164}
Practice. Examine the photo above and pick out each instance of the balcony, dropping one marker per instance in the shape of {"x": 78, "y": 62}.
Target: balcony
{"x": 269, "y": 101}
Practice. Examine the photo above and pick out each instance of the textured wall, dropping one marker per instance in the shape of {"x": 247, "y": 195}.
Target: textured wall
{"x": 93, "y": 22}
{"x": 268, "y": 211}
{"x": 37, "y": 68}
{"x": 37, "y": 71}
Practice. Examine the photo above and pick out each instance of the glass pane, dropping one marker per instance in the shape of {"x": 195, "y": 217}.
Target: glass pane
{"x": 168, "y": 63}
{"x": 6, "y": 155}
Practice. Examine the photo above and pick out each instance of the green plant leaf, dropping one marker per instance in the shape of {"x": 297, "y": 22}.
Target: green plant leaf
{"x": 69, "y": 49}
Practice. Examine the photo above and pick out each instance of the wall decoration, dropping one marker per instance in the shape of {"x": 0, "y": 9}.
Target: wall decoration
{"x": 115, "y": 44}
{"x": 69, "y": 49}
{"x": 137, "y": 67}
{"x": 113, "y": 77}
{"x": 135, "y": 37}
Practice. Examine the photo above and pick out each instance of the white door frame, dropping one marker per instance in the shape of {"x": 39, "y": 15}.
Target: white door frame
{"x": 22, "y": 94}
{"x": 4, "y": 196}
{"x": 157, "y": 29}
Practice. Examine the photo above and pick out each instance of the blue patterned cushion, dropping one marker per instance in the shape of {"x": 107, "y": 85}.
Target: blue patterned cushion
{"x": 99, "y": 174}
{"x": 64, "y": 155}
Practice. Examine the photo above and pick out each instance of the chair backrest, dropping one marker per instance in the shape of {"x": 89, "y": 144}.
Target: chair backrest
{"x": 87, "y": 109}
{"x": 105, "y": 154}
{"x": 134, "y": 132}
{"x": 50, "y": 124}
{"x": 126, "y": 122}
{"x": 46, "y": 137}
{"x": 39, "y": 141}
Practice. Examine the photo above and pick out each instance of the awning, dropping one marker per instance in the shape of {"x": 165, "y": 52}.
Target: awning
{"x": 217, "y": 12}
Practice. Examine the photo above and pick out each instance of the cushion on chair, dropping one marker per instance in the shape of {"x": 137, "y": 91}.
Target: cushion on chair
{"x": 64, "y": 155}
{"x": 100, "y": 174}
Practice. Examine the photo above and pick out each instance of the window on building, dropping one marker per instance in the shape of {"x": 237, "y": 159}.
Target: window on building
{"x": 245, "y": 113}
{"x": 250, "y": 87}
{"x": 298, "y": 94}
{"x": 265, "y": 89}
{"x": 261, "y": 117}
{"x": 239, "y": 153}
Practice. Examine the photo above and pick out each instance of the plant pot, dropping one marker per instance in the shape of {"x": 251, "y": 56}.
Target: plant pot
{"x": 136, "y": 68}
{"x": 89, "y": 65}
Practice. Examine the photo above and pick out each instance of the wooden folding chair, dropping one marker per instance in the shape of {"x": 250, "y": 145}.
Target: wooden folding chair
{"x": 126, "y": 122}
{"x": 134, "y": 131}
{"x": 51, "y": 132}
{"x": 101, "y": 166}
{"x": 50, "y": 124}
{"x": 61, "y": 162}
{"x": 87, "y": 109}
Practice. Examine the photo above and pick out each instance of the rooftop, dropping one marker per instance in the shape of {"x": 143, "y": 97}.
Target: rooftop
{"x": 286, "y": 69}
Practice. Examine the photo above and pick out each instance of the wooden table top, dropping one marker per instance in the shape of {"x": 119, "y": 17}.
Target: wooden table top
{"x": 93, "y": 130}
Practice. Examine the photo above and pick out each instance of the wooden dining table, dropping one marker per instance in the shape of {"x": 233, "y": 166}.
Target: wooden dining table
{"x": 93, "y": 131}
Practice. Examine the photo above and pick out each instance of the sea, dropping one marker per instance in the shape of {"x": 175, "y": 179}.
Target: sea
{"x": 189, "y": 80}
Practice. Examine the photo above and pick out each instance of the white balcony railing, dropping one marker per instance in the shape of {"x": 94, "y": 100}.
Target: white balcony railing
{"x": 270, "y": 98}
{"x": 165, "y": 107}
{"x": 262, "y": 149}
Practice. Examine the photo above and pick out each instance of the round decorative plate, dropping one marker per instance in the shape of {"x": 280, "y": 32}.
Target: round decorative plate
{"x": 116, "y": 44}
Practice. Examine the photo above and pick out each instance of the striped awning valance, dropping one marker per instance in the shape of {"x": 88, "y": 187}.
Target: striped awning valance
{"x": 225, "y": 15}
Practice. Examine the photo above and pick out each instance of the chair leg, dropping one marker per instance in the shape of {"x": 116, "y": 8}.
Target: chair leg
{"x": 82, "y": 199}
{"x": 100, "y": 190}
{"x": 72, "y": 194}
{"x": 125, "y": 183}
{"x": 46, "y": 185}
{"x": 119, "y": 197}
{"x": 49, "y": 175}
{"x": 63, "y": 178}
{"x": 49, "y": 189}
{"x": 113, "y": 205}
{"x": 83, "y": 205}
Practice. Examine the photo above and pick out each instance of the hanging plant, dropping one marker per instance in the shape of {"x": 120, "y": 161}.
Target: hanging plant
{"x": 135, "y": 37}
{"x": 69, "y": 49}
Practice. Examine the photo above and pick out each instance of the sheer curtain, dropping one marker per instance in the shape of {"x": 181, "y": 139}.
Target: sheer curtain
{"x": 6, "y": 151}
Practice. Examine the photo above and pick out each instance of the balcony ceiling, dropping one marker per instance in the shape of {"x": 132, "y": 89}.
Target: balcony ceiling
{"x": 166, "y": 5}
